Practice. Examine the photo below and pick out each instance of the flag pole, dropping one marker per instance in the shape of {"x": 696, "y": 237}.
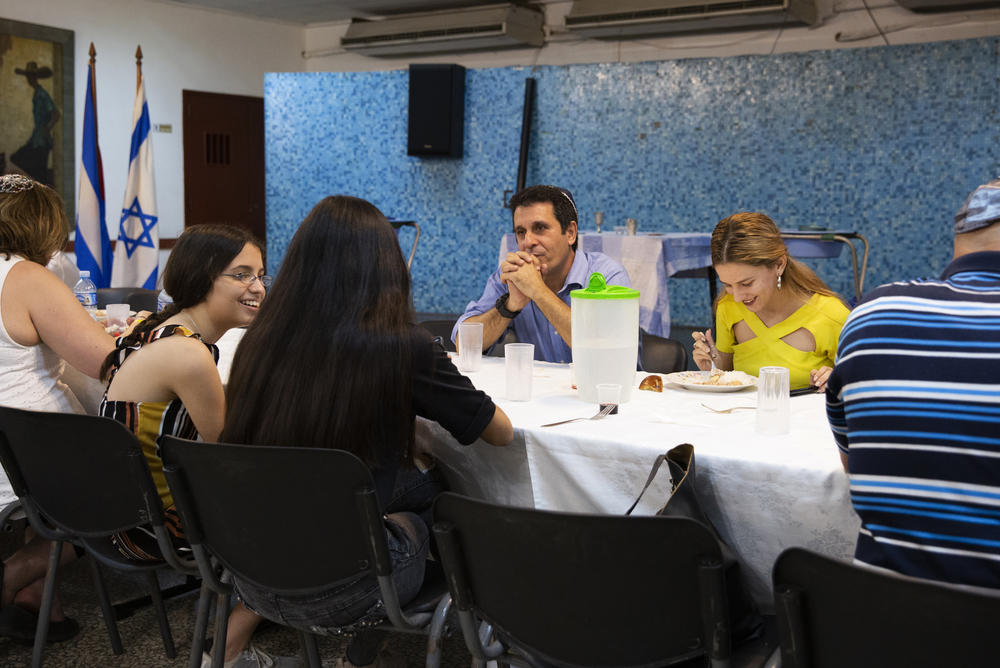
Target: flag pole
{"x": 93, "y": 82}
{"x": 138, "y": 67}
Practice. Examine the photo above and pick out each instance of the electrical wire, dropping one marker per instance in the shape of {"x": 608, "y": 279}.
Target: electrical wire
{"x": 874, "y": 22}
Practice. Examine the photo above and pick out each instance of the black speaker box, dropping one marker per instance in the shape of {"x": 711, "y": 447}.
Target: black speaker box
{"x": 437, "y": 110}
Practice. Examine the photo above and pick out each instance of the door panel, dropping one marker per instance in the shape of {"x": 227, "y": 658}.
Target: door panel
{"x": 224, "y": 160}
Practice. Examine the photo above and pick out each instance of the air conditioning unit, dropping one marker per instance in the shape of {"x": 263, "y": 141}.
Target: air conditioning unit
{"x": 618, "y": 19}
{"x": 471, "y": 29}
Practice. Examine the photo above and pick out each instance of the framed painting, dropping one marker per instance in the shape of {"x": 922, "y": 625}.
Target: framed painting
{"x": 36, "y": 105}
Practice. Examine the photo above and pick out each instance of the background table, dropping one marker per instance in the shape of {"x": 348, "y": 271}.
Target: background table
{"x": 764, "y": 493}
{"x": 649, "y": 259}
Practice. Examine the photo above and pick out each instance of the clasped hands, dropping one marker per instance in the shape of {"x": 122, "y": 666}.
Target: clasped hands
{"x": 523, "y": 275}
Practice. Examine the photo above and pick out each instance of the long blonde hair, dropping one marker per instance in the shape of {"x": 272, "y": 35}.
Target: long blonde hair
{"x": 753, "y": 238}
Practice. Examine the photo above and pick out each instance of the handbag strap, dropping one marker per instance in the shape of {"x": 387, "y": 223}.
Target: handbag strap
{"x": 649, "y": 481}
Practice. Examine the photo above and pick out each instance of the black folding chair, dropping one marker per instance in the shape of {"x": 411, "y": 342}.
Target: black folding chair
{"x": 107, "y": 296}
{"x": 141, "y": 299}
{"x": 306, "y": 517}
{"x": 570, "y": 590}
{"x": 441, "y": 328}
{"x": 660, "y": 355}
{"x": 833, "y": 614}
{"x": 80, "y": 479}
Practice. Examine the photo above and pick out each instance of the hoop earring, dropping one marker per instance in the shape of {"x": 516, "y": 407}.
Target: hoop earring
{"x": 779, "y": 281}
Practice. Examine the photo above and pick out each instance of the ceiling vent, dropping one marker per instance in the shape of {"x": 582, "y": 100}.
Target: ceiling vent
{"x": 472, "y": 29}
{"x": 618, "y": 19}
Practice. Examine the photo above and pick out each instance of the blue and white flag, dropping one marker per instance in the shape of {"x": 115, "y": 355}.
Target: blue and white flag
{"x": 92, "y": 245}
{"x": 138, "y": 250}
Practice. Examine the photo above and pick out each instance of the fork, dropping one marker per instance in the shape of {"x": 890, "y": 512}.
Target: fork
{"x": 601, "y": 414}
{"x": 729, "y": 410}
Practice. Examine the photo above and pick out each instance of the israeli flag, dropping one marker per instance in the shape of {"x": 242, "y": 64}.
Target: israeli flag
{"x": 138, "y": 248}
{"x": 92, "y": 245}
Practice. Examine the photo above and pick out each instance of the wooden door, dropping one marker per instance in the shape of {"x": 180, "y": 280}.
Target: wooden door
{"x": 224, "y": 160}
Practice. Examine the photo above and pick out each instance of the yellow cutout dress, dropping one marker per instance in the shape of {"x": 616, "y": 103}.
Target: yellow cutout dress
{"x": 821, "y": 315}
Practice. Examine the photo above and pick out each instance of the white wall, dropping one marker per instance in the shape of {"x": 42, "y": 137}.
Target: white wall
{"x": 849, "y": 26}
{"x": 182, "y": 48}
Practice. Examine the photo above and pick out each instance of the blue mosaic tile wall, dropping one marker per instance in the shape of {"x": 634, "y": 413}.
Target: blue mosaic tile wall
{"x": 883, "y": 141}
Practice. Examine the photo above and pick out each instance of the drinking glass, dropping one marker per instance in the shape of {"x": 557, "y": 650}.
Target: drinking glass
{"x": 773, "y": 401}
{"x": 609, "y": 394}
{"x": 117, "y": 315}
{"x": 518, "y": 358}
{"x": 470, "y": 346}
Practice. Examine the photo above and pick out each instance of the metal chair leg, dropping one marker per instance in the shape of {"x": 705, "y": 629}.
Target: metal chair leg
{"x": 161, "y": 614}
{"x": 435, "y": 631}
{"x": 221, "y": 624}
{"x": 48, "y": 593}
{"x": 311, "y": 649}
{"x": 200, "y": 626}
{"x": 107, "y": 611}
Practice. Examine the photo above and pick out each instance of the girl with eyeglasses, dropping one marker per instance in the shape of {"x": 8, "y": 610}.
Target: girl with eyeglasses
{"x": 162, "y": 377}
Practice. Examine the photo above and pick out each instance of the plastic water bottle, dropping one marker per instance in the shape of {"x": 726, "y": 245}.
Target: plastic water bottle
{"x": 86, "y": 293}
{"x": 163, "y": 300}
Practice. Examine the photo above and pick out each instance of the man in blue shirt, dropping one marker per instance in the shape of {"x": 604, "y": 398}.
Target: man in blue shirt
{"x": 529, "y": 293}
{"x": 914, "y": 404}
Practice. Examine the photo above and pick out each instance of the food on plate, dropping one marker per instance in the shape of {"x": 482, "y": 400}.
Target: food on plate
{"x": 717, "y": 377}
{"x": 652, "y": 383}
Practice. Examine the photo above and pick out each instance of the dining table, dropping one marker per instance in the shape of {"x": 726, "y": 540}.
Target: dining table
{"x": 764, "y": 493}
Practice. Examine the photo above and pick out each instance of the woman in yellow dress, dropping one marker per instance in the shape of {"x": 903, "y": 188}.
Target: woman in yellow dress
{"x": 775, "y": 312}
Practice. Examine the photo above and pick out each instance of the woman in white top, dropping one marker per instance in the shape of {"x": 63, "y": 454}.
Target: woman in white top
{"x": 42, "y": 324}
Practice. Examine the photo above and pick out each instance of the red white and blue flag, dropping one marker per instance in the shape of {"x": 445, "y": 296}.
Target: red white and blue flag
{"x": 92, "y": 245}
{"x": 137, "y": 252}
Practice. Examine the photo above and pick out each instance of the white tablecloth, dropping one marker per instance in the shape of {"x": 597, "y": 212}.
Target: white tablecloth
{"x": 764, "y": 493}
{"x": 649, "y": 259}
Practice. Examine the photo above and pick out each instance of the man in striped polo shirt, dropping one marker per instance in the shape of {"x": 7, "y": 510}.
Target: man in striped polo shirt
{"x": 914, "y": 404}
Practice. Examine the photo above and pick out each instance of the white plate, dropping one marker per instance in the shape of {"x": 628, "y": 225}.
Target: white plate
{"x": 691, "y": 380}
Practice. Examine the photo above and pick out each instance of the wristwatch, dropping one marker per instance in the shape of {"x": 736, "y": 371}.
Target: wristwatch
{"x": 501, "y": 306}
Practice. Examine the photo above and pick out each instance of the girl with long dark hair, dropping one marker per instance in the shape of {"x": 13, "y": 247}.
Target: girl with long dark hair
{"x": 336, "y": 341}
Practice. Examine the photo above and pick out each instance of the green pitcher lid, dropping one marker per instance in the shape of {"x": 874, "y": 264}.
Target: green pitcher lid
{"x": 598, "y": 288}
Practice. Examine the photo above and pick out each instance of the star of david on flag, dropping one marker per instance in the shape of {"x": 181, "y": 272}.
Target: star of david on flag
{"x": 148, "y": 222}
{"x": 138, "y": 250}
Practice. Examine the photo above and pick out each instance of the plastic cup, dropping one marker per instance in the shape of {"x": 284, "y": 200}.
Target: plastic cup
{"x": 773, "y": 400}
{"x": 470, "y": 346}
{"x": 117, "y": 315}
{"x": 609, "y": 394}
{"x": 518, "y": 359}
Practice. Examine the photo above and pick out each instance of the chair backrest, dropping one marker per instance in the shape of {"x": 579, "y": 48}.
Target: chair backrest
{"x": 443, "y": 329}
{"x": 85, "y": 475}
{"x": 660, "y": 355}
{"x": 107, "y": 296}
{"x": 141, "y": 299}
{"x": 586, "y": 590}
{"x": 288, "y": 519}
{"x": 834, "y": 614}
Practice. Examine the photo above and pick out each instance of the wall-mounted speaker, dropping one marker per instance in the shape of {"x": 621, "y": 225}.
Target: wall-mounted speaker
{"x": 437, "y": 110}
